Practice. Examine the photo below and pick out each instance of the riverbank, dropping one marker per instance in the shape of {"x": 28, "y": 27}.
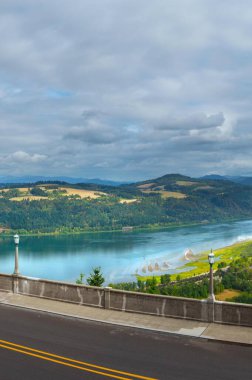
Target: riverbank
{"x": 148, "y": 228}
{"x": 155, "y": 228}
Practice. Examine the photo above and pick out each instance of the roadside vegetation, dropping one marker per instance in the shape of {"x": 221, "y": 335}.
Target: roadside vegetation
{"x": 190, "y": 289}
{"x": 238, "y": 276}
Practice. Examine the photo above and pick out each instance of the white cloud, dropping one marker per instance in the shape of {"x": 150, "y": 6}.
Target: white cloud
{"x": 21, "y": 157}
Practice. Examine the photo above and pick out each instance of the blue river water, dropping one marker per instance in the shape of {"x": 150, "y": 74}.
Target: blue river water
{"x": 121, "y": 255}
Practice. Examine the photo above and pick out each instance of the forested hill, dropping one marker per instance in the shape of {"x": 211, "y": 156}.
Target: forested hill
{"x": 169, "y": 200}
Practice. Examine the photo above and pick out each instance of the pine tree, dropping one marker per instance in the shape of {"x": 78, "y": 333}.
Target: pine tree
{"x": 79, "y": 280}
{"x": 96, "y": 278}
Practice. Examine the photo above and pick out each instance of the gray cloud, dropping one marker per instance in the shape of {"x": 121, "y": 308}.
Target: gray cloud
{"x": 125, "y": 89}
{"x": 93, "y": 134}
{"x": 195, "y": 122}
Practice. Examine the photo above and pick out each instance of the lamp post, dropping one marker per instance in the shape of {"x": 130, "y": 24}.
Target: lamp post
{"x": 16, "y": 241}
{"x": 211, "y": 287}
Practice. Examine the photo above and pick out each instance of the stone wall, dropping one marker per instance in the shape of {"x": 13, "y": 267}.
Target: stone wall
{"x": 83, "y": 295}
{"x": 233, "y": 313}
{"x": 6, "y": 283}
{"x": 164, "y": 306}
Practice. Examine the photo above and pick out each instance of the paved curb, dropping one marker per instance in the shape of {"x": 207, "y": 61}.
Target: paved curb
{"x": 97, "y": 320}
{"x": 229, "y": 342}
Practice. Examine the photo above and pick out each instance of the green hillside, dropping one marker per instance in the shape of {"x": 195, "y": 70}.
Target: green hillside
{"x": 169, "y": 200}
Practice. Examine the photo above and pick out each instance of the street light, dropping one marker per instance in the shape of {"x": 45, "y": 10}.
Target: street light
{"x": 211, "y": 287}
{"x": 16, "y": 241}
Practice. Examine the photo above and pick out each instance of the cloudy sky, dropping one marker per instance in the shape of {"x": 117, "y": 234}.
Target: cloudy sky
{"x": 125, "y": 89}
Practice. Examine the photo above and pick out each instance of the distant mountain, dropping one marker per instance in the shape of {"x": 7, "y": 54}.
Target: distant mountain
{"x": 242, "y": 180}
{"x": 164, "y": 180}
{"x": 33, "y": 179}
{"x": 237, "y": 179}
{"x": 160, "y": 181}
{"x": 169, "y": 182}
{"x": 214, "y": 177}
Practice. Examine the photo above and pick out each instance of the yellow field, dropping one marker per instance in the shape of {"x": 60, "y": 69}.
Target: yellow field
{"x": 227, "y": 293}
{"x": 166, "y": 194}
{"x": 21, "y": 189}
{"x": 172, "y": 194}
{"x": 24, "y": 193}
{"x": 82, "y": 193}
{"x": 203, "y": 188}
{"x": 146, "y": 186}
{"x": 186, "y": 183}
{"x": 28, "y": 197}
{"x": 128, "y": 200}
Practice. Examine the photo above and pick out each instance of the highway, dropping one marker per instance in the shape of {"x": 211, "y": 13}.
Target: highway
{"x": 35, "y": 345}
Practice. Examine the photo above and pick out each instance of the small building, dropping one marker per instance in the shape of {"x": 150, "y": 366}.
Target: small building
{"x": 127, "y": 229}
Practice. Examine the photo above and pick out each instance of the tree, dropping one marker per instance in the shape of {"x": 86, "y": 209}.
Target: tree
{"x": 165, "y": 279}
{"x": 222, "y": 264}
{"x": 151, "y": 285}
{"x": 140, "y": 285}
{"x": 38, "y": 192}
{"x": 79, "y": 280}
{"x": 11, "y": 193}
{"x": 96, "y": 278}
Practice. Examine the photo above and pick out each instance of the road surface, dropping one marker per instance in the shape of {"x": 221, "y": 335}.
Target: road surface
{"x": 40, "y": 346}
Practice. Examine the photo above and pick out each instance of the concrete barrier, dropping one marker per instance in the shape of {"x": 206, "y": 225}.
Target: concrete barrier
{"x": 151, "y": 304}
{"x": 83, "y": 295}
{"x": 233, "y": 313}
{"x": 6, "y": 283}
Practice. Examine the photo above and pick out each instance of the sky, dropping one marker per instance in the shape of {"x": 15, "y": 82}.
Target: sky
{"x": 125, "y": 89}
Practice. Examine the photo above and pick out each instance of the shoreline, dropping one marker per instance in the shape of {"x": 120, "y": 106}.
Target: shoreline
{"x": 135, "y": 229}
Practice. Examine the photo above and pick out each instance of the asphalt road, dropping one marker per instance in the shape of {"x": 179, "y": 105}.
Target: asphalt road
{"x": 35, "y": 345}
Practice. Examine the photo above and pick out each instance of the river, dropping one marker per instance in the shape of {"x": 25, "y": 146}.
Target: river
{"x": 120, "y": 255}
